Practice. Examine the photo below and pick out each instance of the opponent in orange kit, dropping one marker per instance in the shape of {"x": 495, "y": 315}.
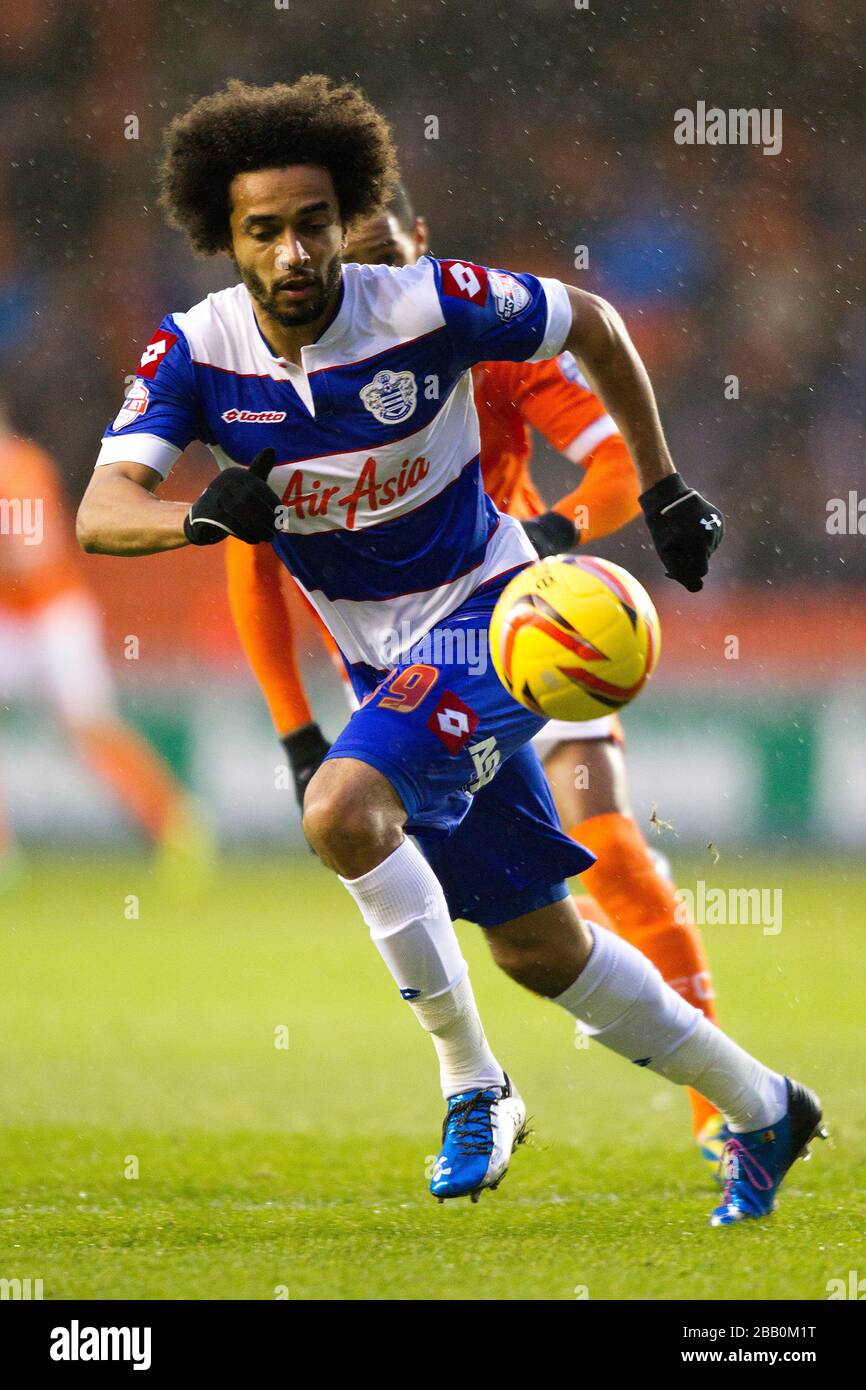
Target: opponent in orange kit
{"x": 632, "y": 894}
{"x": 51, "y": 651}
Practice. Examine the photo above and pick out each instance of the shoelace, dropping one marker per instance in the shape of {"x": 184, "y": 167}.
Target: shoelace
{"x": 747, "y": 1165}
{"x": 470, "y": 1130}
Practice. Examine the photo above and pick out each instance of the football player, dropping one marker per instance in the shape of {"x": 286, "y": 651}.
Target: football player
{"x": 52, "y": 651}
{"x": 338, "y": 402}
{"x": 585, "y": 763}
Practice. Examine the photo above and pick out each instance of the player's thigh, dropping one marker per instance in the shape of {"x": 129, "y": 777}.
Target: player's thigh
{"x": 588, "y": 778}
{"x": 508, "y": 856}
{"x": 438, "y": 733}
{"x": 74, "y": 665}
{"x": 19, "y": 658}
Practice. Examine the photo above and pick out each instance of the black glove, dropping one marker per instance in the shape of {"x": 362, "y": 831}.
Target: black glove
{"x": 305, "y": 750}
{"x": 237, "y": 503}
{"x": 685, "y": 528}
{"x": 551, "y": 534}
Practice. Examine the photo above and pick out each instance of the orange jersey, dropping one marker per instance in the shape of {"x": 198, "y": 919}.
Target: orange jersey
{"x": 511, "y": 399}
{"x": 37, "y": 559}
{"x": 552, "y": 397}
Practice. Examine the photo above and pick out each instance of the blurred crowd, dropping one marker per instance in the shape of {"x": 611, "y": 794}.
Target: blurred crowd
{"x": 553, "y": 129}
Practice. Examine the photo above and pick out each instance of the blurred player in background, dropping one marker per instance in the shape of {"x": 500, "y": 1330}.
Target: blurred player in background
{"x": 585, "y": 763}
{"x": 52, "y": 651}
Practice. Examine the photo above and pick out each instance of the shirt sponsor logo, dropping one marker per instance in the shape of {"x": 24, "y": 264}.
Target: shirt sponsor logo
{"x": 462, "y": 280}
{"x": 156, "y": 349}
{"x": 253, "y": 417}
{"x": 390, "y": 396}
{"x": 134, "y": 405}
{"x": 452, "y": 721}
{"x": 509, "y": 296}
{"x": 368, "y": 492}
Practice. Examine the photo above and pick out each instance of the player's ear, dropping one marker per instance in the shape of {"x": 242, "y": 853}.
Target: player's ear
{"x": 422, "y": 235}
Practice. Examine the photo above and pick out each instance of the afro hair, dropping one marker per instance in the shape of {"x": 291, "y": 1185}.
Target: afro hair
{"x": 243, "y": 128}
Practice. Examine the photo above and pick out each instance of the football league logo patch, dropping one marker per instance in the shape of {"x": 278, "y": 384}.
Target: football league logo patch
{"x": 390, "y": 396}
{"x": 509, "y": 295}
{"x": 134, "y": 405}
{"x": 452, "y": 721}
{"x": 161, "y": 343}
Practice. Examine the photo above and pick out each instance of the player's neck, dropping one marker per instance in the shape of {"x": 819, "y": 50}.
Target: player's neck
{"x": 287, "y": 342}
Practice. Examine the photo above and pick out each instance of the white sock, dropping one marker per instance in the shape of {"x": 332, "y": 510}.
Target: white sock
{"x": 621, "y": 1000}
{"x": 466, "y": 1062}
{"x": 402, "y": 902}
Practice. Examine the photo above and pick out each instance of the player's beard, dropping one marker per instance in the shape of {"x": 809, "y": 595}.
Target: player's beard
{"x": 296, "y": 315}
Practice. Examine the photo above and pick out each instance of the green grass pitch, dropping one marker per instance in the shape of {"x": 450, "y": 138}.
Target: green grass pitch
{"x": 148, "y": 1046}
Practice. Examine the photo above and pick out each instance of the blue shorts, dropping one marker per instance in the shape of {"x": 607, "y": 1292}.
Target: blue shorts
{"x": 453, "y": 743}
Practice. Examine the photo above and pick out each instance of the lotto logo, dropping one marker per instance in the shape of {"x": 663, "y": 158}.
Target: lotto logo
{"x": 452, "y": 721}
{"x": 159, "y": 345}
{"x": 253, "y": 417}
{"x": 462, "y": 280}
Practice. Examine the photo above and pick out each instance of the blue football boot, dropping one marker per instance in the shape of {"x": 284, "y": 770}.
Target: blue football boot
{"x": 480, "y": 1132}
{"x": 755, "y": 1163}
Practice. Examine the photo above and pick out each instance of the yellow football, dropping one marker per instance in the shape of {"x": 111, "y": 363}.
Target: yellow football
{"x": 574, "y": 637}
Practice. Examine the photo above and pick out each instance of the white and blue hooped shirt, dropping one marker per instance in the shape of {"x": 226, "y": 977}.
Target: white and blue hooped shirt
{"x": 385, "y": 523}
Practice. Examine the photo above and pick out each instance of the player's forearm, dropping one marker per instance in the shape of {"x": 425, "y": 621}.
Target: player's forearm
{"x": 120, "y": 517}
{"x": 600, "y": 341}
{"x": 607, "y": 496}
{"x": 264, "y": 627}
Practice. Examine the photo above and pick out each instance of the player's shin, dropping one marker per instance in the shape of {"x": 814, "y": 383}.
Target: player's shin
{"x": 643, "y": 907}
{"x": 403, "y": 904}
{"x": 622, "y": 1001}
